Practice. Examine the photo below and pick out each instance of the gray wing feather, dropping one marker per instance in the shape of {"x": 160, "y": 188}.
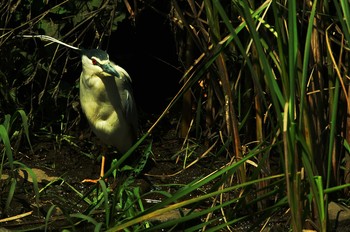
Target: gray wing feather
{"x": 127, "y": 97}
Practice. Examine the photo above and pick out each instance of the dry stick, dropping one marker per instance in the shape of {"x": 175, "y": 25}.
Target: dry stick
{"x": 16, "y": 217}
{"x": 42, "y": 221}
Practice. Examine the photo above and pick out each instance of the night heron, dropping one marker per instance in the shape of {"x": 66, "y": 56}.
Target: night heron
{"x": 106, "y": 98}
{"x": 107, "y": 101}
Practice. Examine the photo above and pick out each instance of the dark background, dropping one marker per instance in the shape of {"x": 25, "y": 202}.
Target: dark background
{"x": 147, "y": 51}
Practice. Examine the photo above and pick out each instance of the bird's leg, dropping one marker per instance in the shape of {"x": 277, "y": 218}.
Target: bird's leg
{"x": 102, "y": 171}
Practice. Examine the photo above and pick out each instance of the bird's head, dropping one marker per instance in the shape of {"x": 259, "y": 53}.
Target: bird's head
{"x": 96, "y": 61}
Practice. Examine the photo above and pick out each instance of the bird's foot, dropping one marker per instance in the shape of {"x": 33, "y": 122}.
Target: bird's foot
{"x": 93, "y": 181}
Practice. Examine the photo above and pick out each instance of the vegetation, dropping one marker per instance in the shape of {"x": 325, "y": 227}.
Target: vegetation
{"x": 264, "y": 88}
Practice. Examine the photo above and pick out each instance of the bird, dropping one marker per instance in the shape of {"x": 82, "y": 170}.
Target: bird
{"x": 108, "y": 102}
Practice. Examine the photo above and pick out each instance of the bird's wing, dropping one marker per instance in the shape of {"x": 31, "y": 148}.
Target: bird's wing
{"x": 127, "y": 96}
{"x": 129, "y": 103}
{"x": 130, "y": 106}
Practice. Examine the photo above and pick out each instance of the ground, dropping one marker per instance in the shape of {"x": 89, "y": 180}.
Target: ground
{"x": 61, "y": 166}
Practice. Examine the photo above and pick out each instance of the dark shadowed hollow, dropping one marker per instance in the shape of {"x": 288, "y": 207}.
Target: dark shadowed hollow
{"x": 147, "y": 51}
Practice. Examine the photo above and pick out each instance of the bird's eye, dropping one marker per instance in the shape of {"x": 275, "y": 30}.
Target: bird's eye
{"x": 94, "y": 62}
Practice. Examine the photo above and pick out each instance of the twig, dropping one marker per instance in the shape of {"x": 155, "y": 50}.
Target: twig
{"x": 16, "y": 217}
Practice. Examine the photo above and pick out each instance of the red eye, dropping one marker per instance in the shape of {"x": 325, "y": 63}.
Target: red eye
{"x": 94, "y": 62}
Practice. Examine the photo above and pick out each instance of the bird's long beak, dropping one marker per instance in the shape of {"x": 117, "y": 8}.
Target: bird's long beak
{"x": 110, "y": 70}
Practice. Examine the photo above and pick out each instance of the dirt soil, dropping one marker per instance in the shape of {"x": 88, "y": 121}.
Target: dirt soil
{"x": 61, "y": 164}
